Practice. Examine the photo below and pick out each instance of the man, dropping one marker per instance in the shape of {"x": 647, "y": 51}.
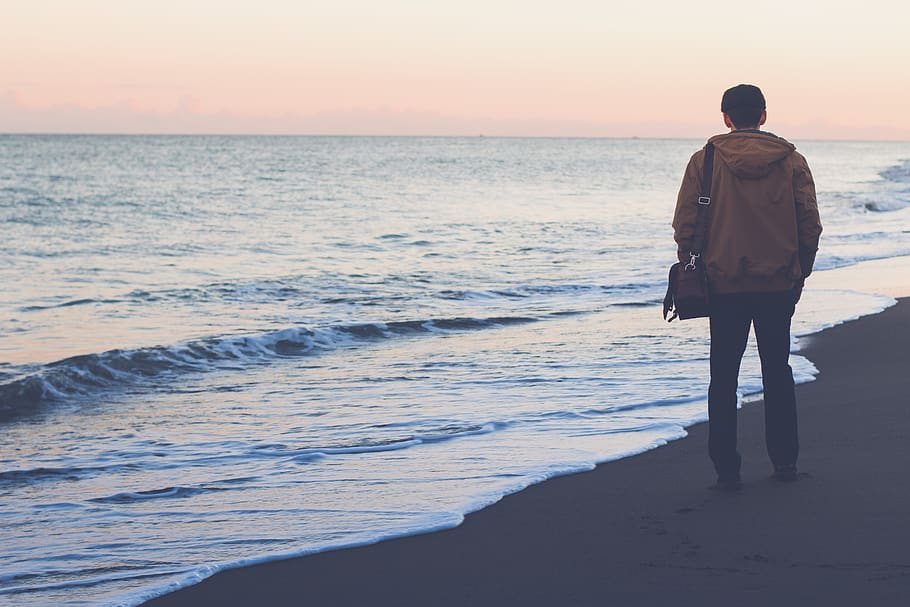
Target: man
{"x": 762, "y": 236}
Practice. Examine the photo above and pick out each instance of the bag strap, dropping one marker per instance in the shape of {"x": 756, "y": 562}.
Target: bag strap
{"x": 704, "y": 204}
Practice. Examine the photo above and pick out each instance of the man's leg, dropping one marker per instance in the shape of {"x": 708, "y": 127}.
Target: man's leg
{"x": 730, "y": 320}
{"x": 772, "y": 331}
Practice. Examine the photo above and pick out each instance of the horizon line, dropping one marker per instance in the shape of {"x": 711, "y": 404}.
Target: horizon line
{"x": 407, "y": 136}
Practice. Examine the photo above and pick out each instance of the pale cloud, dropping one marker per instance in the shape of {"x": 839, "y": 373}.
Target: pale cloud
{"x": 188, "y": 117}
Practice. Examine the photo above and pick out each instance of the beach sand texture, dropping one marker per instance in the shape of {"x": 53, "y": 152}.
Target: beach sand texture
{"x": 648, "y": 530}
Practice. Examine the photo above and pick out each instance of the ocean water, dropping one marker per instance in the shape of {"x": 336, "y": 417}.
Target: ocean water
{"x": 221, "y": 350}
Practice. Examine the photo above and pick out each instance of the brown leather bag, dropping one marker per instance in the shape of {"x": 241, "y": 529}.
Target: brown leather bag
{"x": 687, "y": 285}
{"x": 687, "y": 293}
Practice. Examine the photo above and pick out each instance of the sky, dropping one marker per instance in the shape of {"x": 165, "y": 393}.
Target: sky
{"x": 829, "y": 69}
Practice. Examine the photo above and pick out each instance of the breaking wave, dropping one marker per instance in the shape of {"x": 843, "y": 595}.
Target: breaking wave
{"x": 88, "y": 374}
{"x": 899, "y": 173}
{"x": 897, "y": 181}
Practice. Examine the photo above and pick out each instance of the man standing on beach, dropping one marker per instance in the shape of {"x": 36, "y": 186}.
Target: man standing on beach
{"x": 762, "y": 236}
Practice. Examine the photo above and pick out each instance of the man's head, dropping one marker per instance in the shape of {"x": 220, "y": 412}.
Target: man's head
{"x": 743, "y": 107}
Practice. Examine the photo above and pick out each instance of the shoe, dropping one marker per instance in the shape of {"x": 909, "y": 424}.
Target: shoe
{"x": 785, "y": 474}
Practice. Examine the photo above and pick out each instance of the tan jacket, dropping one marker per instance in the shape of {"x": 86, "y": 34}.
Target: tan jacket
{"x": 764, "y": 225}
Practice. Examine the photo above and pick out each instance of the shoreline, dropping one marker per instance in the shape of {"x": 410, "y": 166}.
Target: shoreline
{"x": 645, "y": 529}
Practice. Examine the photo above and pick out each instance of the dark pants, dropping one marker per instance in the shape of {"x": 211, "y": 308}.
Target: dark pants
{"x": 731, "y": 316}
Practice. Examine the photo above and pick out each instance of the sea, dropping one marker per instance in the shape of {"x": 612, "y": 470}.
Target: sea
{"x": 222, "y": 350}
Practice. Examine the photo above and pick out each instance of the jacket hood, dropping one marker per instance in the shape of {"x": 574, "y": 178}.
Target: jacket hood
{"x": 751, "y": 154}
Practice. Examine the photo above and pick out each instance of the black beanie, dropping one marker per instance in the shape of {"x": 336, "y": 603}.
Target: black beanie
{"x": 742, "y": 95}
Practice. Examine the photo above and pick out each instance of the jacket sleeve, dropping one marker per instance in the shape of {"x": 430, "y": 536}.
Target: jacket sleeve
{"x": 687, "y": 206}
{"x": 808, "y": 223}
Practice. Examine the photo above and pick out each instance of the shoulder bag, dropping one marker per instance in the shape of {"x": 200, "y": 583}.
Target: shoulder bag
{"x": 687, "y": 288}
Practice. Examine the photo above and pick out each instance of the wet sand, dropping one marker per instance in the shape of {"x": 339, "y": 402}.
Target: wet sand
{"x": 648, "y": 530}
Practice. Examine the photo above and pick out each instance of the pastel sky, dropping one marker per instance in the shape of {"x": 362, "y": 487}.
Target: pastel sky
{"x": 830, "y": 69}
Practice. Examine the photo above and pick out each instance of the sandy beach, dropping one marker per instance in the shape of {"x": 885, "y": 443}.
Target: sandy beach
{"x": 648, "y": 530}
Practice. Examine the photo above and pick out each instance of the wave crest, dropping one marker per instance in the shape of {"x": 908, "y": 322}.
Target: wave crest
{"x": 87, "y": 374}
